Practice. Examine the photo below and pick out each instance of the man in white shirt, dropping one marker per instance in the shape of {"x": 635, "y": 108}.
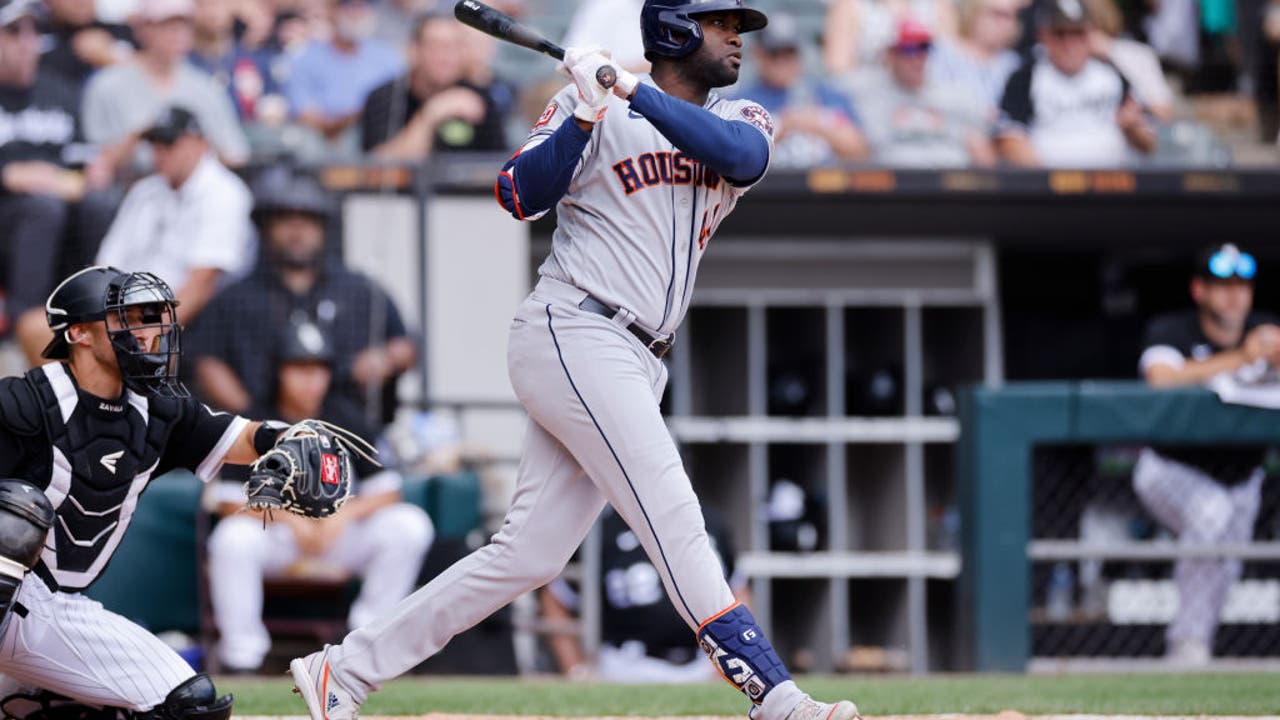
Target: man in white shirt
{"x": 189, "y": 221}
{"x": 1065, "y": 108}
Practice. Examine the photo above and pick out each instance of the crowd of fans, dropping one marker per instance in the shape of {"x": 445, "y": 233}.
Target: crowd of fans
{"x": 161, "y": 98}
{"x": 127, "y": 127}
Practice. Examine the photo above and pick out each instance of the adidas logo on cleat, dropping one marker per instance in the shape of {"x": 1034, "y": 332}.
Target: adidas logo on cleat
{"x": 332, "y": 703}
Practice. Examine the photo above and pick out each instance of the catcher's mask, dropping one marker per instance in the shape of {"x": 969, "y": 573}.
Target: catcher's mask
{"x": 128, "y": 304}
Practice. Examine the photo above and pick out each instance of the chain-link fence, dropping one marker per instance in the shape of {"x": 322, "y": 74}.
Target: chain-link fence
{"x": 1141, "y": 553}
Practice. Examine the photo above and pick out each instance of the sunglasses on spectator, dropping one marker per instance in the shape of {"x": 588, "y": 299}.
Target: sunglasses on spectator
{"x": 1230, "y": 262}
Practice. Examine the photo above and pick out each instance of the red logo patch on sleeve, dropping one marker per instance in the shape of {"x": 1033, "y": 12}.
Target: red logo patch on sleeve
{"x": 546, "y": 116}
{"x": 329, "y": 470}
{"x": 759, "y": 117}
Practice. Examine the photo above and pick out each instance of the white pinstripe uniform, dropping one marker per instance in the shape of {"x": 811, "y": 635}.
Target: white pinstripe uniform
{"x": 92, "y": 473}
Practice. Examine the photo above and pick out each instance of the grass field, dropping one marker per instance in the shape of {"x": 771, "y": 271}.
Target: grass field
{"x": 1180, "y": 695}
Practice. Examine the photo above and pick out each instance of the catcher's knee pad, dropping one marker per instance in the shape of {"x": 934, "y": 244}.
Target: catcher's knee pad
{"x": 194, "y": 699}
{"x": 25, "y": 518}
{"x": 741, "y": 652}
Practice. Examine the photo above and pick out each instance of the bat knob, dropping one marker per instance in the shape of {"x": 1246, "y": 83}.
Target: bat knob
{"x": 606, "y": 76}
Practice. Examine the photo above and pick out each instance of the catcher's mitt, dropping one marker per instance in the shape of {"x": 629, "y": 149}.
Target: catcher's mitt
{"x": 308, "y": 472}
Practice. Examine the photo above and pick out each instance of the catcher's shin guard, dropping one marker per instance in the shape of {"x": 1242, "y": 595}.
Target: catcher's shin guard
{"x": 741, "y": 652}
{"x": 194, "y": 699}
{"x": 25, "y": 518}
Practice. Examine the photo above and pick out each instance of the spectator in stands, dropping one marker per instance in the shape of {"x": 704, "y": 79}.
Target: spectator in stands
{"x": 189, "y": 221}
{"x": 292, "y": 25}
{"x": 76, "y": 43}
{"x": 815, "y": 124}
{"x": 981, "y": 58}
{"x": 245, "y": 74}
{"x": 614, "y": 24}
{"x": 395, "y": 20}
{"x": 856, "y": 33}
{"x": 479, "y": 52}
{"x": 231, "y": 345}
{"x": 124, "y": 99}
{"x": 1206, "y": 496}
{"x": 1136, "y": 61}
{"x": 377, "y": 536}
{"x": 643, "y": 640}
{"x": 330, "y": 79}
{"x": 48, "y": 210}
{"x": 431, "y": 108}
{"x": 1067, "y": 108}
{"x": 913, "y": 120}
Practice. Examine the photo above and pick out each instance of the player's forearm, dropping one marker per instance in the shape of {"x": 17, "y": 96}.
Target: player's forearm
{"x": 736, "y": 150}
{"x": 535, "y": 179}
{"x": 1017, "y": 151}
{"x": 1141, "y": 137}
{"x": 1195, "y": 372}
{"x": 413, "y": 142}
{"x": 243, "y": 452}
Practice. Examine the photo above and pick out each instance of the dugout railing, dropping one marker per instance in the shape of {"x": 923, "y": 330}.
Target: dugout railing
{"x": 1063, "y": 567}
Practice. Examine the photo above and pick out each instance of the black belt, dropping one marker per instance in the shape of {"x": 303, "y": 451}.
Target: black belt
{"x": 657, "y": 346}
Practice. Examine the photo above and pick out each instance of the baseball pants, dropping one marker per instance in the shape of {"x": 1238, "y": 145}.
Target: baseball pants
{"x": 1200, "y": 511}
{"x": 385, "y": 549}
{"x": 595, "y": 435}
{"x": 71, "y": 645}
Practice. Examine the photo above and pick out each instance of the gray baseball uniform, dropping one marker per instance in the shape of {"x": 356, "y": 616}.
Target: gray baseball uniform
{"x": 632, "y": 229}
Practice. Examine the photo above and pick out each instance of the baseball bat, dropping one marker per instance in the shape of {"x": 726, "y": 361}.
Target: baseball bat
{"x": 502, "y": 26}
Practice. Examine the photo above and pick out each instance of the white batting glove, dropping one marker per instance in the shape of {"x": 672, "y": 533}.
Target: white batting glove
{"x": 623, "y": 87}
{"x": 580, "y": 66}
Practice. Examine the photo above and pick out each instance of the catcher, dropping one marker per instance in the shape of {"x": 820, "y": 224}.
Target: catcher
{"x": 80, "y": 439}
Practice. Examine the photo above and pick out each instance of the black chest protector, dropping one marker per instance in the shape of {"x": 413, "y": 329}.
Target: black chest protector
{"x": 100, "y": 460}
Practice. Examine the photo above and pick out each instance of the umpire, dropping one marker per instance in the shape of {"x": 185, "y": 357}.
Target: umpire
{"x": 1206, "y": 495}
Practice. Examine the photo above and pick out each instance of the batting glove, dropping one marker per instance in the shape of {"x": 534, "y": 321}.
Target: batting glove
{"x": 580, "y": 66}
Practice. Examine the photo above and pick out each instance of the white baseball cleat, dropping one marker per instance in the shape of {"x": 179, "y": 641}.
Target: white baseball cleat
{"x": 810, "y": 709}
{"x": 325, "y": 699}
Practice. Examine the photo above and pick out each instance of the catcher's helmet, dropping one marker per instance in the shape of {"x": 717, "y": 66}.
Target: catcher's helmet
{"x": 282, "y": 189}
{"x": 670, "y": 30}
{"x": 94, "y": 293}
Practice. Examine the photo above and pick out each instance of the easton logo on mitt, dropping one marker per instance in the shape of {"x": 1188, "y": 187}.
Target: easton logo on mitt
{"x": 309, "y": 470}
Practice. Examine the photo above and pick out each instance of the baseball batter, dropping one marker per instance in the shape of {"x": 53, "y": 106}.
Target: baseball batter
{"x": 641, "y": 177}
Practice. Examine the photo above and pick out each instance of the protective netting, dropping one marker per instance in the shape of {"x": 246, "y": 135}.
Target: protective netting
{"x": 1137, "y": 556}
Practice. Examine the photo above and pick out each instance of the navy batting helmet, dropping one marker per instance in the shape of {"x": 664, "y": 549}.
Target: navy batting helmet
{"x": 670, "y": 30}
